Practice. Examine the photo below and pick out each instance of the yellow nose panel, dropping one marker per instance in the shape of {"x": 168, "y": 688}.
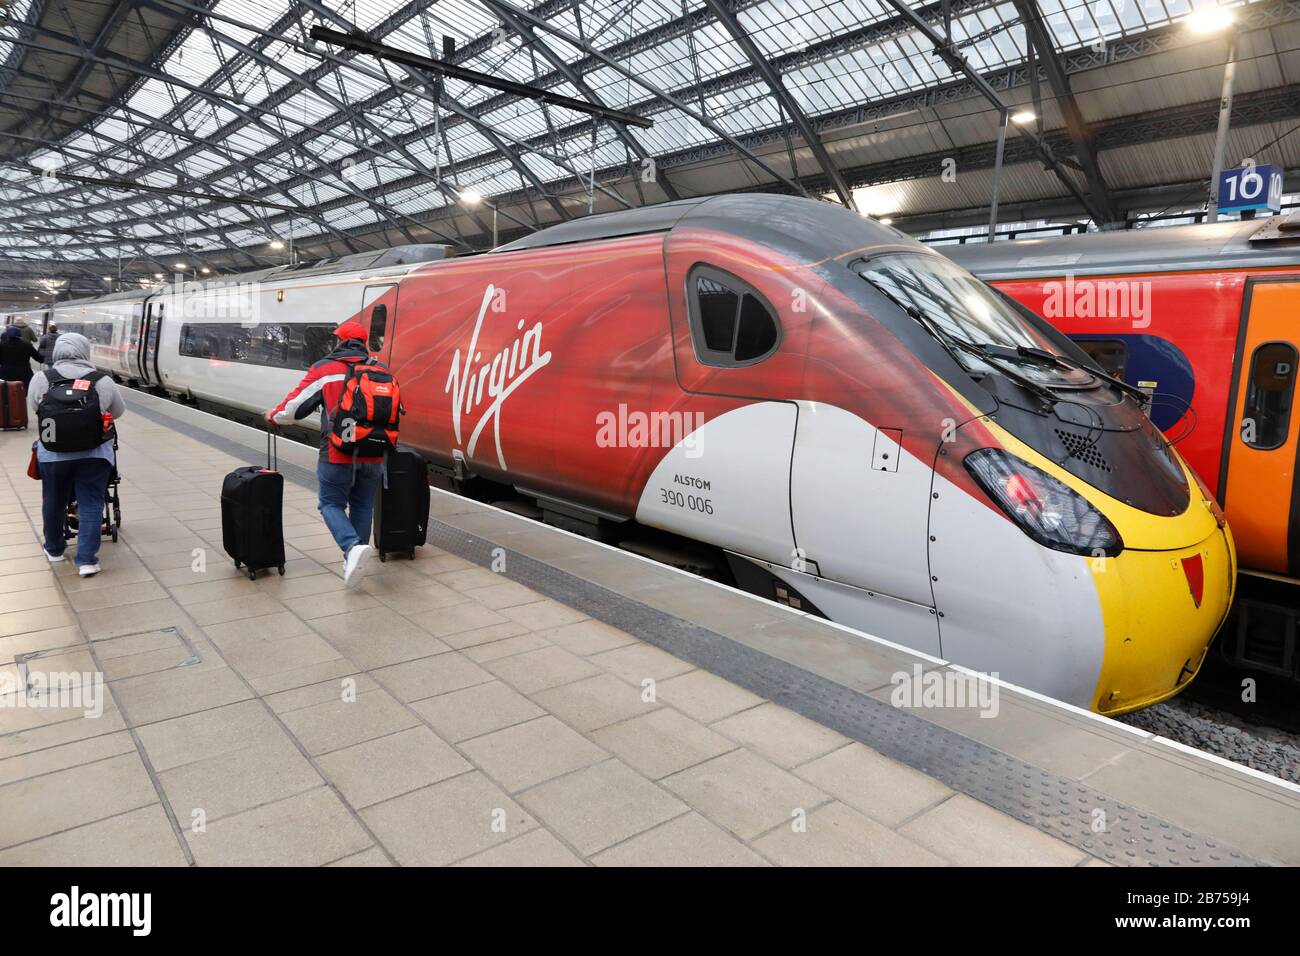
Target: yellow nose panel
{"x": 1156, "y": 635}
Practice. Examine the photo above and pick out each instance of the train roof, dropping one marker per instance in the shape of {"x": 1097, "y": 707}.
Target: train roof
{"x": 1253, "y": 243}
{"x": 607, "y": 225}
{"x": 409, "y": 254}
{"x": 803, "y": 227}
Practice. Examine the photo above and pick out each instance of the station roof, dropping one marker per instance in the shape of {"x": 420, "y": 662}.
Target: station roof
{"x": 141, "y": 134}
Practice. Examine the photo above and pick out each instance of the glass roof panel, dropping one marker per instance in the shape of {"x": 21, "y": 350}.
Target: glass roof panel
{"x": 247, "y": 102}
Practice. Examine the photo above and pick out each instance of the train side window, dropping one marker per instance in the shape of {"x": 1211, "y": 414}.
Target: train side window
{"x": 756, "y": 336}
{"x": 731, "y": 323}
{"x": 378, "y": 326}
{"x": 273, "y": 345}
{"x": 1110, "y": 354}
{"x": 717, "y": 310}
{"x": 318, "y": 342}
{"x": 1269, "y": 396}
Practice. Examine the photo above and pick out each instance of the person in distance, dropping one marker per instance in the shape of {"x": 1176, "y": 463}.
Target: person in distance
{"x": 346, "y": 485}
{"x": 16, "y": 356}
{"x": 46, "y": 344}
{"x": 26, "y": 331}
{"x": 80, "y": 415}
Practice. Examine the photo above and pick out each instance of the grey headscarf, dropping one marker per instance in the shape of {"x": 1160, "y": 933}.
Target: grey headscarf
{"x": 72, "y": 347}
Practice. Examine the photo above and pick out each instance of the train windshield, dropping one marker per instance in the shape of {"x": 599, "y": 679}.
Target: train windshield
{"x": 964, "y": 311}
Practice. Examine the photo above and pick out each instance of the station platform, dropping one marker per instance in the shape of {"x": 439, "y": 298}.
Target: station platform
{"x": 518, "y": 695}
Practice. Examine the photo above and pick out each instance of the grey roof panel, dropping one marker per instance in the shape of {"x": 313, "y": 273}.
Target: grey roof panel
{"x": 627, "y": 222}
{"x": 1236, "y": 244}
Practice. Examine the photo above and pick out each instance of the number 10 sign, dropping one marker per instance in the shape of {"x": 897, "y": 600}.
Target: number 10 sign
{"x": 1250, "y": 187}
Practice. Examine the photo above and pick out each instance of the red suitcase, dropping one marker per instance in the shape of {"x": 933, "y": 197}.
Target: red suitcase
{"x": 13, "y": 406}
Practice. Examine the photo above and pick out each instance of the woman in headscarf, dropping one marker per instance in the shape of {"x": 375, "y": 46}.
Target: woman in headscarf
{"x": 79, "y": 474}
{"x": 16, "y": 356}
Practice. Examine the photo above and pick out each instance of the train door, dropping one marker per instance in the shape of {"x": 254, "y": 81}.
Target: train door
{"x": 146, "y": 363}
{"x": 131, "y": 342}
{"x": 379, "y": 316}
{"x": 1260, "y": 446}
{"x": 860, "y": 503}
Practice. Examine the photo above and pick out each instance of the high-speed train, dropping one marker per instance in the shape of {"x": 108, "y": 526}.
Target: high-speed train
{"x": 848, "y": 421}
{"x": 1207, "y": 319}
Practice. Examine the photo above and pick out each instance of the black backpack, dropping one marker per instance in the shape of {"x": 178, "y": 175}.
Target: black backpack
{"x": 69, "y": 417}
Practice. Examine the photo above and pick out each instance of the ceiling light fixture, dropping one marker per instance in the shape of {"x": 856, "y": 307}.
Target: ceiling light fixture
{"x": 1210, "y": 20}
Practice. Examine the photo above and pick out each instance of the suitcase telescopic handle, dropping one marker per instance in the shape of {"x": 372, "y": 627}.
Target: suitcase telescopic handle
{"x": 272, "y": 452}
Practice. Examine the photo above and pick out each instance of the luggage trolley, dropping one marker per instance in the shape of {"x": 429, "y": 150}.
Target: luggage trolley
{"x": 112, "y": 520}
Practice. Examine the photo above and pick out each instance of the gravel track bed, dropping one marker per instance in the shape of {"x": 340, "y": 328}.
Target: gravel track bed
{"x": 1223, "y": 734}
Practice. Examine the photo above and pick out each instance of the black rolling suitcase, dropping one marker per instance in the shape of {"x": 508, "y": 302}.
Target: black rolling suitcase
{"x": 402, "y": 511}
{"x": 252, "y": 501}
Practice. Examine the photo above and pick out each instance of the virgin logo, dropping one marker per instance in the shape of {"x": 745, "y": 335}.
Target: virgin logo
{"x": 474, "y": 379}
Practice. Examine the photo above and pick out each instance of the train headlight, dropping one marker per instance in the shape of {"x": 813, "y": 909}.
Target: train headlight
{"x": 1047, "y": 510}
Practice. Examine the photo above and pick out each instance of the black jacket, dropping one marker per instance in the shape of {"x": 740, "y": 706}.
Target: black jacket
{"x": 46, "y": 346}
{"x": 15, "y": 359}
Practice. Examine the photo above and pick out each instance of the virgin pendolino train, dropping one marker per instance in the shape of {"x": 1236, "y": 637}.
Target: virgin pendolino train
{"x": 832, "y": 414}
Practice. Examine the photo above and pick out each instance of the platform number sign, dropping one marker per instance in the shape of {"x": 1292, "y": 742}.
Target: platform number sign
{"x": 1250, "y": 187}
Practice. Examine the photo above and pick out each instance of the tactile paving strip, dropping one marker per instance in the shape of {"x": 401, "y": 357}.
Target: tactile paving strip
{"x": 1063, "y": 808}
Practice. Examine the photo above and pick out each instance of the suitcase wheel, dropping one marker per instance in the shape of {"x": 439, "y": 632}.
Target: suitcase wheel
{"x": 382, "y": 556}
{"x": 236, "y": 562}
{"x": 282, "y": 570}
{"x": 411, "y": 554}
{"x": 252, "y": 575}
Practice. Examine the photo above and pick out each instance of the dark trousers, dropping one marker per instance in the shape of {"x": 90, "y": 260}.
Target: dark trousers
{"x": 87, "y": 479}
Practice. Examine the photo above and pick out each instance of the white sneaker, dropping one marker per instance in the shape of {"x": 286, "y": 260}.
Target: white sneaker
{"x": 88, "y": 570}
{"x": 356, "y": 566}
{"x": 55, "y": 558}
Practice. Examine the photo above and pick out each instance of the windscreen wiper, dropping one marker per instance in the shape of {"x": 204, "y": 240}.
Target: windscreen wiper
{"x": 1140, "y": 396}
{"x": 951, "y": 342}
{"x": 1044, "y": 357}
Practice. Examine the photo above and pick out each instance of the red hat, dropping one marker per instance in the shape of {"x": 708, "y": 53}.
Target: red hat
{"x": 351, "y": 329}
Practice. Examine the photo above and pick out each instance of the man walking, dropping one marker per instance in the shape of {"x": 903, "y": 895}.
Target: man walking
{"x": 26, "y": 331}
{"x": 46, "y": 344}
{"x": 346, "y": 483}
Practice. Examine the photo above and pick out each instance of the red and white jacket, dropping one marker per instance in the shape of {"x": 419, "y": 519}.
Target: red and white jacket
{"x": 322, "y": 387}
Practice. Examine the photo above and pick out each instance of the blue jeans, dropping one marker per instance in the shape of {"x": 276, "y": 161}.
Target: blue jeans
{"x": 347, "y": 499}
{"x": 87, "y": 479}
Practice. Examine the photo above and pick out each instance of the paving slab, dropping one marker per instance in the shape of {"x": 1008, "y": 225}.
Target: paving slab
{"x": 601, "y": 805}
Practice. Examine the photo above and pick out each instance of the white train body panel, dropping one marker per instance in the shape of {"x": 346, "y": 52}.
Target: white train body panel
{"x": 1050, "y": 634}
{"x": 728, "y": 483}
{"x": 860, "y": 502}
{"x": 849, "y": 533}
